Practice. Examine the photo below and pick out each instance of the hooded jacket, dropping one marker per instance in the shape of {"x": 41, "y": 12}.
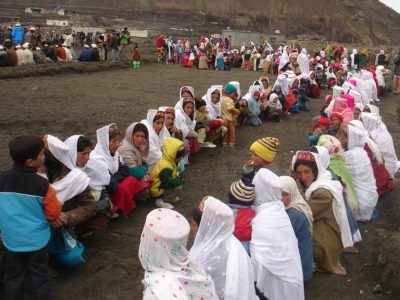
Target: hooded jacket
{"x": 170, "y": 149}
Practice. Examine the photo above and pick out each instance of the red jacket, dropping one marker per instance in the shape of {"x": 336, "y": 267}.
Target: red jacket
{"x": 244, "y": 216}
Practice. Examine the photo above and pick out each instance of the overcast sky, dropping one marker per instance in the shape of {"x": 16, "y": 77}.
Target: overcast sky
{"x": 395, "y": 4}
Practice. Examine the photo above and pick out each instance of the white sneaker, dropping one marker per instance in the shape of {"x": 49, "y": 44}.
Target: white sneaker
{"x": 172, "y": 200}
{"x": 161, "y": 204}
{"x": 208, "y": 145}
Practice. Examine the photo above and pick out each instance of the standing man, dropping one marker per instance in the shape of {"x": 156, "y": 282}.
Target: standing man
{"x": 113, "y": 45}
{"x": 124, "y": 40}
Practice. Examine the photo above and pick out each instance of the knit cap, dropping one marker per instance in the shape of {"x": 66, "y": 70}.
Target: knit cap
{"x": 266, "y": 148}
{"x": 242, "y": 192}
{"x": 229, "y": 89}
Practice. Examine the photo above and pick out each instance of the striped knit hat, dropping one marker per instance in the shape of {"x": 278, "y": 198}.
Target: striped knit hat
{"x": 265, "y": 148}
{"x": 242, "y": 192}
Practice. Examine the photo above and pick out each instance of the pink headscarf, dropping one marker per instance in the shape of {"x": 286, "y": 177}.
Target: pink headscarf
{"x": 341, "y": 106}
{"x": 350, "y": 101}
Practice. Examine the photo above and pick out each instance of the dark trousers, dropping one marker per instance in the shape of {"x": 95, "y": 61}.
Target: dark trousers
{"x": 27, "y": 269}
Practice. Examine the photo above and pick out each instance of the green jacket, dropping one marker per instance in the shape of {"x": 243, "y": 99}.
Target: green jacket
{"x": 124, "y": 38}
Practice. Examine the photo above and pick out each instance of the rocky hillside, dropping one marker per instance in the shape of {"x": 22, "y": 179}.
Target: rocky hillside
{"x": 360, "y": 21}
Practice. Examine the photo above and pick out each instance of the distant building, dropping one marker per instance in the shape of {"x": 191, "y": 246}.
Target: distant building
{"x": 238, "y": 37}
{"x": 59, "y": 23}
{"x": 64, "y": 12}
{"x": 34, "y": 10}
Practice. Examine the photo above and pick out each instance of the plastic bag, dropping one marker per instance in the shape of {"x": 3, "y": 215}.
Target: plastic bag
{"x": 67, "y": 250}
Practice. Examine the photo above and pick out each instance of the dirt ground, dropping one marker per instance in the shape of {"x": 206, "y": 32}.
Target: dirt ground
{"x": 67, "y": 104}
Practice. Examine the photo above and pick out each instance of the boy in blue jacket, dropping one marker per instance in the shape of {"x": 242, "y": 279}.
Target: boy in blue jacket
{"x": 28, "y": 204}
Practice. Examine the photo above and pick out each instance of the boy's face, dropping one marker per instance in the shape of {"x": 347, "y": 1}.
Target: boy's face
{"x": 38, "y": 162}
{"x": 202, "y": 109}
{"x": 258, "y": 162}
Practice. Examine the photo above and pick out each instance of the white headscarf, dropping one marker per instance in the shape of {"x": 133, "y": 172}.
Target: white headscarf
{"x": 271, "y": 104}
{"x": 155, "y": 140}
{"x": 371, "y": 144}
{"x": 273, "y": 246}
{"x": 359, "y": 165}
{"x": 283, "y": 81}
{"x": 214, "y": 110}
{"x": 170, "y": 273}
{"x": 75, "y": 182}
{"x": 102, "y": 152}
{"x": 324, "y": 180}
{"x": 296, "y": 199}
{"x": 130, "y": 154}
{"x": 182, "y": 120}
{"x": 304, "y": 62}
{"x": 379, "y": 133}
{"x": 95, "y": 169}
{"x": 221, "y": 254}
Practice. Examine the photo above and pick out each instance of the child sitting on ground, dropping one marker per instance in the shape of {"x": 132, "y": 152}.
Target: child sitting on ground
{"x": 241, "y": 198}
{"x": 28, "y": 205}
{"x": 263, "y": 152}
{"x": 165, "y": 174}
{"x": 202, "y": 120}
{"x": 321, "y": 126}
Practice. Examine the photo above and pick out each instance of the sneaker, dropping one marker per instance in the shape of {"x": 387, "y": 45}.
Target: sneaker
{"x": 161, "y": 204}
{"x": 208, "y": 145}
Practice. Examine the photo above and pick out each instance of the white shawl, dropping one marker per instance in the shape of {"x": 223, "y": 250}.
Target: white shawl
{"x": 75, "y": 182}
{"x": 296, "y": 199}
{"x": 214, "y": 110}
{"x": 170, "y": 273}
{"x": 273, "y": 245}
{"x": 360, "y": 167}
{"x": 221, "y": 254}
{"x": 379, "y": 133}
{"x": 95, "y": 169}
{"x": 102, "y": 152}
{"x": 324, "y": 180}
{"x": 155, "y": 140}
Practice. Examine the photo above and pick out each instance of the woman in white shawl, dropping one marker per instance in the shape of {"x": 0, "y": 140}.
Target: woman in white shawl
{"x": 122, "y": 187}
{"x": 301, "y": 217}
{"x": 71, "y": 185}
{"x": 185, "y": 118}
{"x": 304, "y": 62}
{"x": 79, "y": 148}
{"x": 273, "y": 246}
{"x": 359, "y": 165}
{"x": 220, "y": 253}
{"x": 331, "y": 227}
{"x": 170, "y": 273}
{"x": 379, "y": 133}
{"x": 213, "y": 98}
{"x": 157, "y": 134}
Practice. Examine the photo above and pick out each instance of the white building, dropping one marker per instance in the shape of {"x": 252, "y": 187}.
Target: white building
{"x": 59, "y": 23}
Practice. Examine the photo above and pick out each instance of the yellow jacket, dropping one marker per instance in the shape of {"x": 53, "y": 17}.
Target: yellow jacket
{"x": 167, "y": 161}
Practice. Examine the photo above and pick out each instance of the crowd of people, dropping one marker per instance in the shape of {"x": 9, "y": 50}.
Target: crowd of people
{"x": 328, "y": 65}
{"x": 274, "y": 231}
{"x": 32, "y": 45}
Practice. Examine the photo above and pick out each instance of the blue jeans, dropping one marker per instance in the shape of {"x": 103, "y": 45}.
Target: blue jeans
{"x": 114, "y": 55}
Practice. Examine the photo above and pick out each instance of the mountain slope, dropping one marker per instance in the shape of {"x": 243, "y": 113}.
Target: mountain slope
{"x": 362, "y": 21}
